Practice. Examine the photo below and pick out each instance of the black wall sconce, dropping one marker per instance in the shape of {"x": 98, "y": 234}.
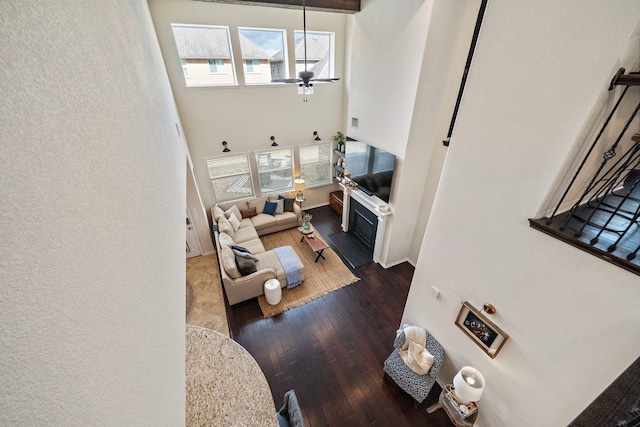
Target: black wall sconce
{"x": 317, "y": 137}
{"x": 274, "y": 143}
{"x": 225, "y": 149}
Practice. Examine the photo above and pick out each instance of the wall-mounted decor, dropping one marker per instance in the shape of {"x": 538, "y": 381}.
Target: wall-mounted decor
{"x": 481, "y": 330}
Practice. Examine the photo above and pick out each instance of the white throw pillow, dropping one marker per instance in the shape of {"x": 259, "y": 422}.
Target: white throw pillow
{"x": 280, "y": 207}
{"x": 417, "y": 358}
{"x": 235, "y": 222}
{"x": 233, "y": 210}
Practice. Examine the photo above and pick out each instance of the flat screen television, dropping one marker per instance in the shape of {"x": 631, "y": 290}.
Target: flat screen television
{"x": 370, "y": 167}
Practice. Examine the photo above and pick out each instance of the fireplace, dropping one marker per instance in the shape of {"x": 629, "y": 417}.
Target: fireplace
{"x": 365, "y": 218}
{"x": 363, "y": 225}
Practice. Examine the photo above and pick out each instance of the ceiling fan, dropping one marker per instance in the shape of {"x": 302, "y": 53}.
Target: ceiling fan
{"x": 305, "y": 78}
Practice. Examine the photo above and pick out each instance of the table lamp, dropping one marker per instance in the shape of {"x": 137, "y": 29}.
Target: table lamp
{"x": 468, "y": 385}
{"x": 299, "y": 187}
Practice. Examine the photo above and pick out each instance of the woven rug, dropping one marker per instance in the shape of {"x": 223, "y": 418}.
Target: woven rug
{"x": 320, "y": 278}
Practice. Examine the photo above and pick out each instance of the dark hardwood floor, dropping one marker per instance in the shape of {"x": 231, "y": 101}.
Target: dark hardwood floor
{"x": 331, "y": 350}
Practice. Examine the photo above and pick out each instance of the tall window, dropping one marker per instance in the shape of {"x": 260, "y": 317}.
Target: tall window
{"x": 315, "y": 164}
{"x": 205, "y": 53}
{"x": 320, "y": 53}
{"x": 230, "y": 177}
{"x": 263, "y": 54}
{"x": 275, "y": 170}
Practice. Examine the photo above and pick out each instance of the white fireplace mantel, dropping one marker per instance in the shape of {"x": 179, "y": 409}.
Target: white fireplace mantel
{"x": 375, "y": 205}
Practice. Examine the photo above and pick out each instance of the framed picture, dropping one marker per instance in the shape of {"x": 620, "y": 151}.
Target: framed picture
{"x": 481, "y": 330}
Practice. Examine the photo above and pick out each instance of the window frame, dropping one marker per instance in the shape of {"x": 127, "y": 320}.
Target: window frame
{"x": 259, "y": 171}
{"x": 285, "y": 56}
{"x": 247, "y": 156}
{"x": 332, "y": 50}
{"x": 195, "y": 78}
{"x": 329, "y": 164}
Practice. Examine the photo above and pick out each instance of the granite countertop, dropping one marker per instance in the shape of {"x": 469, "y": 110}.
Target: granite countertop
{"x": 225, "y": 385}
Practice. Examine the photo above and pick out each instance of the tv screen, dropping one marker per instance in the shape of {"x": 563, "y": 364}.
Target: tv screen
{"x": 370, "y": 167}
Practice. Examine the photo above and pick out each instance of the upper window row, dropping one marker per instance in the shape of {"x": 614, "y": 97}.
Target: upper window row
{"x": 232, "y": 176}
{"x": 206, "y": 54}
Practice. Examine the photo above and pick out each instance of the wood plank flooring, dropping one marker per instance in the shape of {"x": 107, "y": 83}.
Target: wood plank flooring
{"x": 331, "y": 350}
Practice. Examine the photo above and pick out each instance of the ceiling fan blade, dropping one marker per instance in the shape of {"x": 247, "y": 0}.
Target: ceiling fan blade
{"x": 286, "y": 80}
{"x": 326, "y": 80}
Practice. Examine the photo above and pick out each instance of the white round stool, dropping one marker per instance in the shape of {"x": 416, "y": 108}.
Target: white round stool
{"x": 272, "y": 291}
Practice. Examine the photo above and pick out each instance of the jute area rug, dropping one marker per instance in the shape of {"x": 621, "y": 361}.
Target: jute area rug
{"x": 320, "y": 278}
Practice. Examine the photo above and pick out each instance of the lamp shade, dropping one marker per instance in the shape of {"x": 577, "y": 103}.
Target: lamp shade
{"x": 299, "y": 184}
{"x": 468, "y": 384}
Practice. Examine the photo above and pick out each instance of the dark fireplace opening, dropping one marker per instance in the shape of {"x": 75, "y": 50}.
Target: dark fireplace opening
{"x": 363, "y": 225}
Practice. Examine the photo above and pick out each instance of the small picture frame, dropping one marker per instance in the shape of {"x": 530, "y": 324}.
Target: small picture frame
{"x": 481, "y": 330}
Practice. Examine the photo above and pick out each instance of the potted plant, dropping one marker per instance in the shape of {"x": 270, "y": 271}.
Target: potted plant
{"x": 340, "y": 139}
{"x": 306, "y": 222}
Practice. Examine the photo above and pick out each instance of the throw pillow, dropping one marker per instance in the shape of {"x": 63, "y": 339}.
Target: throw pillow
{"x": 279, "y": 207}
{"x": 288, "y": 203}
{"x": 270, "y": 208}
{"x": 240, "y": 248}
{"x": 235, "y": 222}
{"x": 246, "y": 266}
{"x": 225, "y": 240}
{"x": 417, "y": 358}
{"x": 244, "y": 254}
{"x": 229, "y": 263}
{"x": 233, "y": 210}
{"x": 248, "y": 213}
{"x": 257, "y": 203}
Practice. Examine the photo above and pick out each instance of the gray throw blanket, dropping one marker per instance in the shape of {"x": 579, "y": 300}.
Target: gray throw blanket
{"x": 290, "y": 264}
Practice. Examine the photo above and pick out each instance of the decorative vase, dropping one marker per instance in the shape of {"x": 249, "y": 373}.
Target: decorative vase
{"x": 306, "y": 226}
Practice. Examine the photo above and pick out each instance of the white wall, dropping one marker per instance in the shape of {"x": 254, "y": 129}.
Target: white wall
{"x": 573, "y": 321}
{"x": 246, "y": 117}
{"x": 406, "y": 65}
{"x": 92, "y": 227}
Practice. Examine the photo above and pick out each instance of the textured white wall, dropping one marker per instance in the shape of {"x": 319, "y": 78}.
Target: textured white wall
{"x": 92, "y": 190}
{"x": 572, "y": 318}
{"x": 247, "y": 116}
{"x": 406, "y": 65}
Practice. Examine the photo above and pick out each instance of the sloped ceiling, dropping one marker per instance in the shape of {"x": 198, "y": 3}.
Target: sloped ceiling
{"x": 340, "y": 6}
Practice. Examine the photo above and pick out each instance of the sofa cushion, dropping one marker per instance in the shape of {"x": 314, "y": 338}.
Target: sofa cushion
{"x": 269, "y": 259}
{"x": 233, "y": 210}
{"x": 229, "y": 262}
{"x": 246, "y": 266}
{"x": 287, "y": 218}
{"x": 242, "y": 204}
{"x": 225, "y": 240}
{"x": 245, "y": 234}
{"x": 217, "y": 212}
{"x": 255, "y": 246}
{"x": 225, "y": 227}
{"x": 288, "y": 203}
{"x": 262, "y": 221}
{"x": 248, "y": 213}
{"x": 257, "y": 203}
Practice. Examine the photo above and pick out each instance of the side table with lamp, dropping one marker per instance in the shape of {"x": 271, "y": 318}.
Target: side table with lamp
{"x": 458, "y": 400}
{"x": 299, "y": 186}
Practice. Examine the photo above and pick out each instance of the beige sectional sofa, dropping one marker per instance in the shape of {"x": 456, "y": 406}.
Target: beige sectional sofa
{"x": 254, "y": 222}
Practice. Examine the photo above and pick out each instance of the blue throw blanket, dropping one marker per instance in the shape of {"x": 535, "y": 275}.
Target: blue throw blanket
{"x": 290, "y": 263}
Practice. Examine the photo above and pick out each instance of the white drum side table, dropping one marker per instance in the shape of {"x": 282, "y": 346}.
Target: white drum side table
{"x": 272, "y": 291}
